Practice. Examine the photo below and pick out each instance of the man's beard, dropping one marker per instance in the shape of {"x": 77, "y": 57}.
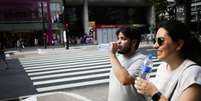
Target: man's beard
{"x": 125, "y": 50}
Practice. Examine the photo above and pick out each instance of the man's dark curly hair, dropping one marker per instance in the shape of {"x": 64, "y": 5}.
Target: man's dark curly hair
{"x": 131, "y": 33}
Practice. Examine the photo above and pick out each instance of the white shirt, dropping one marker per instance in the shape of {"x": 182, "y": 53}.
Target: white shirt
{"x": 166, "y": 80}
{"x": 119, "y": 92}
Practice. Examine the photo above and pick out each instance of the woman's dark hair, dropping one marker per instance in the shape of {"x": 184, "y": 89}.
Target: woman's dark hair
{"x": 131, "y": 33}
{"x": 179, "y": 31}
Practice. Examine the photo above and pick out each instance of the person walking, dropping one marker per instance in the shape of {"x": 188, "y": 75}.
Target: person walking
{"x": 3, "y": 55}
{"x": 18, "y": 45}
{"x": 125, "y": 61}
{"x": 179, "y": 77}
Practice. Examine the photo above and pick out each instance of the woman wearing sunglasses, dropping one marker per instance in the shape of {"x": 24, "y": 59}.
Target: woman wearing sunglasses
{"x": 179, "y": 77}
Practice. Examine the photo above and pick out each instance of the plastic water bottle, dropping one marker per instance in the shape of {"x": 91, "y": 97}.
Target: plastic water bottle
{"x": 146, "y": 67}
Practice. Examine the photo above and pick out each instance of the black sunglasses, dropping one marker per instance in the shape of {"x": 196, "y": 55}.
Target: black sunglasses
{"x": 159, "y": 40}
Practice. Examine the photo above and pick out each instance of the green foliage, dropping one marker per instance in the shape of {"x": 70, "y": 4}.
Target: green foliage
{"x": 160, "y": 7}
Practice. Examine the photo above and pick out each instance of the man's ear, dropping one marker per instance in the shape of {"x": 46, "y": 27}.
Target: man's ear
{"x": 134, "y": 42}
{"x": 180, "y": 44}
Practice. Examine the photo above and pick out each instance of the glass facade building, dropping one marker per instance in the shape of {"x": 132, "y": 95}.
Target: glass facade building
{"x": 30, "y": 19}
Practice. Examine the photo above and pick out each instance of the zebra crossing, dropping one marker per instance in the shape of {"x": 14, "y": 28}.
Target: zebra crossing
{"x": 70, "y": 69}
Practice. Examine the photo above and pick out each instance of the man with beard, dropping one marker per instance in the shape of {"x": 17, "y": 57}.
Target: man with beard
{"x": 126, "y": 62}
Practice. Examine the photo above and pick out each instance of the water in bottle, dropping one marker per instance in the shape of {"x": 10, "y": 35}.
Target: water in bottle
{"x": 146, "y": 67}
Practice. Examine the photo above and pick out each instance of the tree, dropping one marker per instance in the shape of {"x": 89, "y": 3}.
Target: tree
{"x": 160, "y": 8}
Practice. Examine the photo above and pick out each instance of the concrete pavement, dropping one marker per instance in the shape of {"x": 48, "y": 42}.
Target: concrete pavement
{"x": 15, "y": 82}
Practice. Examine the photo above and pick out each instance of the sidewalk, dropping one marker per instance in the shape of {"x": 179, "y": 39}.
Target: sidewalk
{"x": 41, "y": 50}
{"x": 13, "y": 53}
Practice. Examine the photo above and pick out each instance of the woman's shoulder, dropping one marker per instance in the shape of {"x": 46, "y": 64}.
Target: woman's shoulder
{"x": 191, "y": 75}
{"x": 191, "y": 66}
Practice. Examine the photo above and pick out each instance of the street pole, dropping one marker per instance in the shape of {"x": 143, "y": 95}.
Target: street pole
{"x": 65, "y": 25}
{"x": 43, "y": 26}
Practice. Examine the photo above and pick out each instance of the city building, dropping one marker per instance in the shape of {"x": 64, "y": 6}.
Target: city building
{"x": 177, "y": 10}
{"x": 44, "y": 19}
{"x": 27, "y": 20}
{"x": 196, "y": 15}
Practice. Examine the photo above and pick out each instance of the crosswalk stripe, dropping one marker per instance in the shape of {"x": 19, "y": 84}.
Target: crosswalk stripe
{"x": 157, "y": 62}
{"x": 81, "y": 55}
{"x": 66, "y": 65}
{"x": 65, "y": 86}
{"x": 70, "y": 79}
{"x": 70, "y": 74}
{"x": 61, "y": 61}
{"x": 63, "y": 57}
{"x": 68, "y": 69}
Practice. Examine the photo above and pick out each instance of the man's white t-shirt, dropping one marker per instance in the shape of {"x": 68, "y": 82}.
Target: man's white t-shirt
{"x": 119, "y": 92}
{"x": 166, "y": 80}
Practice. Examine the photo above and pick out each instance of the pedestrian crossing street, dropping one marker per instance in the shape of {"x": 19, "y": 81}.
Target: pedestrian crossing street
{"x": 69, "y": 69}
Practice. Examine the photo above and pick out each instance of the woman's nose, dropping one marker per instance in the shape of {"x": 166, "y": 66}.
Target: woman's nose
{"x": 155, "y": 46}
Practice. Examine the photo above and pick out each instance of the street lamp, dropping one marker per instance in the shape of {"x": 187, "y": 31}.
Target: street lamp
{"x": 43, "y": 26}
{"x": 65, "y": 25}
